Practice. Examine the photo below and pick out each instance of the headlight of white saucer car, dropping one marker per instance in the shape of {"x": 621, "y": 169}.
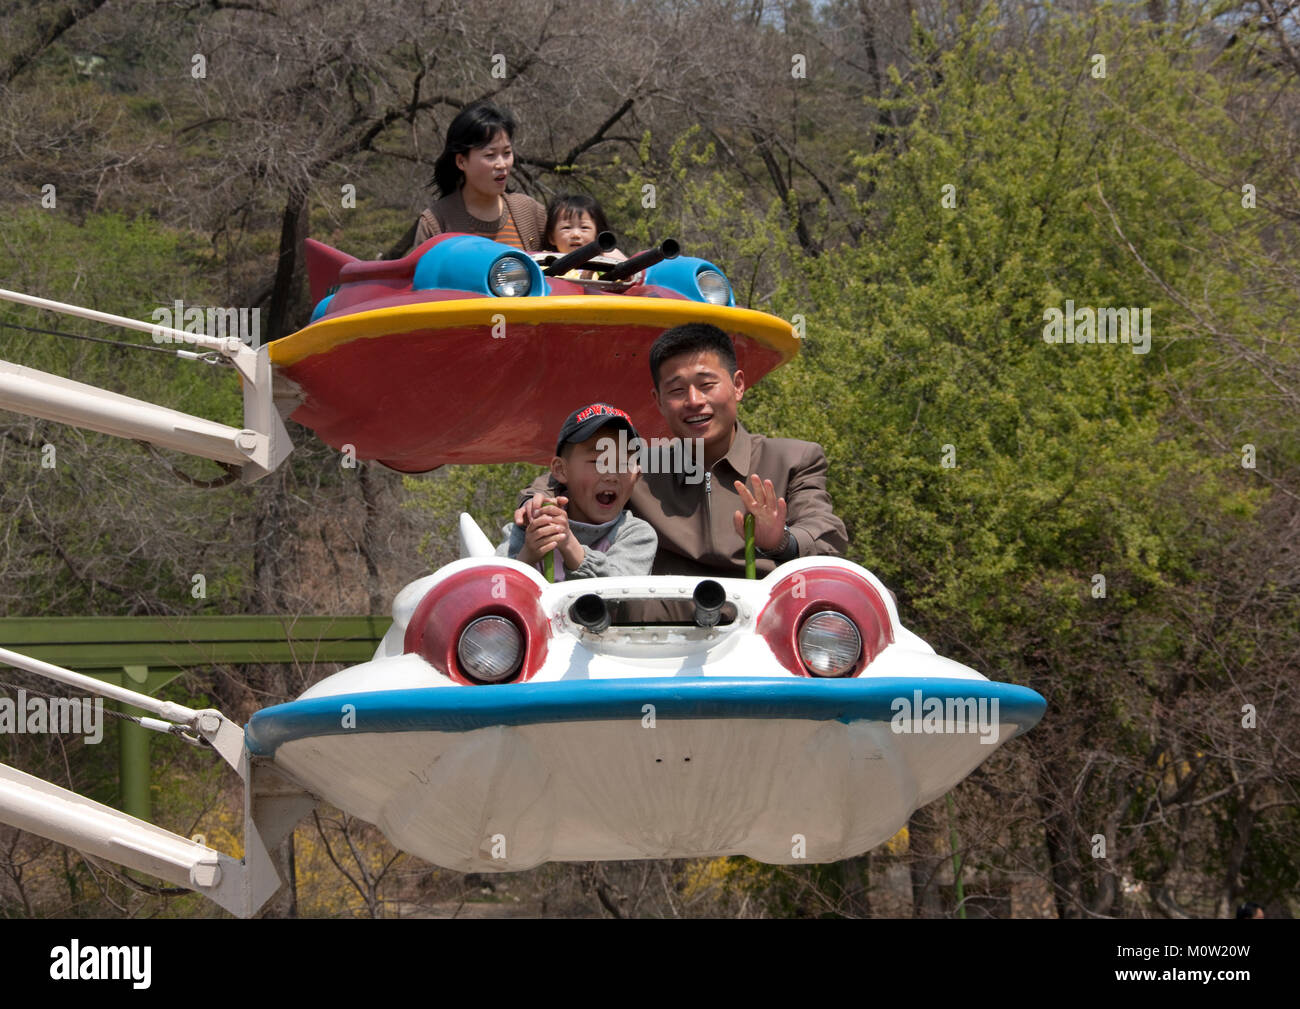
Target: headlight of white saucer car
{"x": 509, "y": 278}
{"x": 713, "y": 287}
{"x": 490, "y": 649}
{"x": 829, "y": 644}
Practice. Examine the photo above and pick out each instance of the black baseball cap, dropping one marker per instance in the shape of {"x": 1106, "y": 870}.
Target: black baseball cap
{"x": 585, "y": 422}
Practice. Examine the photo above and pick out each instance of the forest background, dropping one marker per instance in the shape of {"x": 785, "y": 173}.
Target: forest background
{"x": 921, "y": 182}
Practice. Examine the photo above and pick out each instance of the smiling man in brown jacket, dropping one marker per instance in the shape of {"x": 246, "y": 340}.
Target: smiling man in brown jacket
{"x": 700, "y": 522}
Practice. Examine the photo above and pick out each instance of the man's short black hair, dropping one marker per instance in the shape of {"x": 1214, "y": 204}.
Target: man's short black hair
{"x": 1248, "y": 910}
{"x": 689, "y": 338}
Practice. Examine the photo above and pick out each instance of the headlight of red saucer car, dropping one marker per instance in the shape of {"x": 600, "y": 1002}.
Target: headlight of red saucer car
{"x": 510, "y": 277}
{"x": 829, "y": 644}
{"x": 713, "y": 287}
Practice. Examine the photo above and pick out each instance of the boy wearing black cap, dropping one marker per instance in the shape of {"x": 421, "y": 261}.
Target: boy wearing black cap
{"x": 589, "y": 528}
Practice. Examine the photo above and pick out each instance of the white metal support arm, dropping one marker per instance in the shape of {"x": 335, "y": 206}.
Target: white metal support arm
{"x": 259, "y": 447}
{"x": 272, "y": 806}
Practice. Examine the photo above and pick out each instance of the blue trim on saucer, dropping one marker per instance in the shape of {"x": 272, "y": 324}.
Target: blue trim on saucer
{"x": 464, "y": 709}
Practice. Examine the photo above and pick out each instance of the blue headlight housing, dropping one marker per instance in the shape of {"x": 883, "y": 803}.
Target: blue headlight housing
{"x": 322, "y": 307}
{"x": 481, "y": 266}
{"x": 697, "y": 279}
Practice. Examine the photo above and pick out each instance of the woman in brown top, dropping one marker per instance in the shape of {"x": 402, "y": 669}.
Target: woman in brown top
{"x": 471, "y": 176}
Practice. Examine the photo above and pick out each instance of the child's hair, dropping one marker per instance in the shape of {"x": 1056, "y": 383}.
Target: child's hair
{"x": 572, "y": 205}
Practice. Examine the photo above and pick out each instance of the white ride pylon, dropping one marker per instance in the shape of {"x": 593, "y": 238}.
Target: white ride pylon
{"x": 272, "y": 807}
{"x": 258, "y": 448}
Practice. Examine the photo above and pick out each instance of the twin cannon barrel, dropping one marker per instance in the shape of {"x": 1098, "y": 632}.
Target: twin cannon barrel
{"x": 667, "y": 249}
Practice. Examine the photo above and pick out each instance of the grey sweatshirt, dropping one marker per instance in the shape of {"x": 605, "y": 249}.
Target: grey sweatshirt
{"x": 631, "y": 549}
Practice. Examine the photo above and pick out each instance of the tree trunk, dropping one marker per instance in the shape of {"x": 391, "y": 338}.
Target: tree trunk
{"x": 928, "y": 852}
{"x": 1243, "y": 823}
{"x": 288, "y": 269}
{"x": 1062, "y": 865}
{"x": 855, "y": 886}
{"x": 370, "y": 537}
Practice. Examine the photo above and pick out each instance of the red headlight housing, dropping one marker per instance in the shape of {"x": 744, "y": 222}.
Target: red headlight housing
{"x": 442, "y": 616}
{"x": 798, "y": 597}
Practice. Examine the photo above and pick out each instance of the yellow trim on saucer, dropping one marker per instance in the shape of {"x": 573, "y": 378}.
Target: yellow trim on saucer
{"x": 605, "y": 310}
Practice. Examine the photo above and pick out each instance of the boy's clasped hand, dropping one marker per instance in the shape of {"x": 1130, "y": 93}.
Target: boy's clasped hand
{"x": 547, "y": 530}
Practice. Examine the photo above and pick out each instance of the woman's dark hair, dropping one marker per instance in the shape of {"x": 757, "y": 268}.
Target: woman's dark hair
{"x": 474, "y": 126}
{"x": 572, "y": 205}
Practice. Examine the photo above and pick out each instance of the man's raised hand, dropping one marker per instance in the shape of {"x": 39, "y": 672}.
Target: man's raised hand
{"x": 768, "y": 511}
